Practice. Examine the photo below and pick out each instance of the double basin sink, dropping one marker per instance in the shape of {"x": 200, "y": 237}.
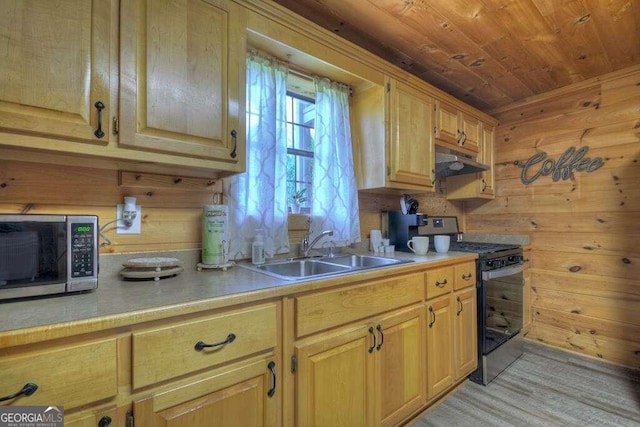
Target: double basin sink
{"x": 311, "y": 268}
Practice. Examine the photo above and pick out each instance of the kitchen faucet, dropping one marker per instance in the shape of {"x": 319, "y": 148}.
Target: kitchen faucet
{"x": 305, "y": 246}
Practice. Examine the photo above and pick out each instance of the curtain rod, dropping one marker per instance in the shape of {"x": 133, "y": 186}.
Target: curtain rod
{"x": 310, "y": 78}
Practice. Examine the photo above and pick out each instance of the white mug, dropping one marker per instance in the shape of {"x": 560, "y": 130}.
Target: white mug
{"x": 442, "y": 244}
{"x": 419, "y": 245}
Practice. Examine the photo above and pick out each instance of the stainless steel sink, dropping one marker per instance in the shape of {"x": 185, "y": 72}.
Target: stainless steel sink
{"x": 320, "y": 267}
{"x": 302, "y": 268}
{"x": 366, "y": 261}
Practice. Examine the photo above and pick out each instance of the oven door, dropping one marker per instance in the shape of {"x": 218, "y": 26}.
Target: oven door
{"x": 502, "y": 292}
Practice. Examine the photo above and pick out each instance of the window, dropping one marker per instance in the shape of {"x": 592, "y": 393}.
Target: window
{"x": 301, "y": 113}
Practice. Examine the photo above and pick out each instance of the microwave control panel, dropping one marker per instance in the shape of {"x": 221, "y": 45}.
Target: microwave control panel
{"x": 82, "y": 253}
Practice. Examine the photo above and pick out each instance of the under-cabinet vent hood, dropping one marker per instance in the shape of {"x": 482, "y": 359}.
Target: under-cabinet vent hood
{"x": 449, "y": 163}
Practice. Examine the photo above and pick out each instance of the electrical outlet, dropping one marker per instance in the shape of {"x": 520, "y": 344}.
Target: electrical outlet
{"x": 136, "y": 225}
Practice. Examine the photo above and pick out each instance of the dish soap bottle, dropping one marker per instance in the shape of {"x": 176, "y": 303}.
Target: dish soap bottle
{"x": 257, "y": 248}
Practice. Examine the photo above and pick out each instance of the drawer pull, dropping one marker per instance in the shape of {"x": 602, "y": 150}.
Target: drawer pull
{"x": 99, "y": 106}
{"x": 379, "y": 328}
{"x": 104, "y": 421}
{"x": 27, "y": 390}
{"x": 433, "y": 316}
{"x": 234, "y": 137}
{"x": 374, "y": 339}
{"x": 200, "y": 345}
{"x": 441, "y": 284}
{"x": 272, "y": 368}
{"x": 467, "y": 276}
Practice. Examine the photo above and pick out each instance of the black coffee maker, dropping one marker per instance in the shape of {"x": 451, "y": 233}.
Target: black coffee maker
{"x": 403, "y": 227}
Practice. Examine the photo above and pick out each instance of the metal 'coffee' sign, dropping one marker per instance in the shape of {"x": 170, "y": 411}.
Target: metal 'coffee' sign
{"x": 571, "y": 160}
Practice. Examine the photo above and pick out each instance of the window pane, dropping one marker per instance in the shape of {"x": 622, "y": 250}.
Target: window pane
{"x": 300, "y": 133}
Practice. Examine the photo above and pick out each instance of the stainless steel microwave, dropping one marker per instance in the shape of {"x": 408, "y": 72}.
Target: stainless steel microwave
{"x": 47, "y": 254}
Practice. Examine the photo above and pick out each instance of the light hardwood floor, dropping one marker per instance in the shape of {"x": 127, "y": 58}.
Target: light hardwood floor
{"x": 545, "y": 387}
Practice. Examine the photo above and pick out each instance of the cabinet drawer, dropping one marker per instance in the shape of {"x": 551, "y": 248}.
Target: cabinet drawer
{"x": 439, "y": 282}
{"x": 324, "y": 310}
{"x": 70, "y": 376}
{"x": 465, "y": 275}
{"x": 167, "y": 352}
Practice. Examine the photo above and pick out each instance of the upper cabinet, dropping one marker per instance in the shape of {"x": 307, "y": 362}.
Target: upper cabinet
{"x": 180, "y": 79}
{"x": 393, "y": 141}
{"x": 174, "y": 103}
{"x": 476, "y": 185}
{"x": 55, "y": 76}
{"x": 456, "y": 129}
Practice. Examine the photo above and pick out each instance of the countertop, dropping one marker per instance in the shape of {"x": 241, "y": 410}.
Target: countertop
{"x": 117, "y": 303}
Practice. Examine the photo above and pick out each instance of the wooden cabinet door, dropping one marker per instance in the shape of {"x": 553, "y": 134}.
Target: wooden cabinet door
{"x": 238, "y": 396}
{"x": 447, "y": 126}
{"x": 106, "y": 418}
{"x": 401, "y": 365}
{"x": 52, "y": 75}
{"x": 335, "y": 379}
{"x": 487, "y": 180}
{"x": 411, "y": 155}
{"x": 181, "y": 78}
{"x": 439, "y": 345}
{"x": 470, "y": 127}
{"x": 465, "y": 333}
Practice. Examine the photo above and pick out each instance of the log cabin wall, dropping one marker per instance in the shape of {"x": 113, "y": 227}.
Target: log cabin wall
{"x": 584, "y": 231}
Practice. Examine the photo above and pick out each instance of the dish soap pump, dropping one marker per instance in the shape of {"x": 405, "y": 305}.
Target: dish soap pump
{"x": 257, "y": 248}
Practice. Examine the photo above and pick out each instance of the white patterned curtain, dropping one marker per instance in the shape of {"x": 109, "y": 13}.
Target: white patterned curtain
{"x": 257, "y": 199}
{"x": 335, "y": 195}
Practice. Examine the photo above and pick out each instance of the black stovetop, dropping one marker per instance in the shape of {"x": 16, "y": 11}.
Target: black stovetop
{"x": 482, "y": 248}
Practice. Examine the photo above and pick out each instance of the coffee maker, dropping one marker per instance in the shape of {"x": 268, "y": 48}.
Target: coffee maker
{"x": 402, "y": 228}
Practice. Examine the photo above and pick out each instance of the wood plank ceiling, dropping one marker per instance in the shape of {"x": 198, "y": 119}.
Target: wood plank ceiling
{"x": 489, "y": 53}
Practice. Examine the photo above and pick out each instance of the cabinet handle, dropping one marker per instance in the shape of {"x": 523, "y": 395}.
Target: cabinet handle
{"x": 379, "y": 328}
{"x": 464, "y": 138}
{"x": 433, "y": 316}
{"x": 374, "y": 339}
{"x": 441, "y": 284}
{"x": 484, "y": 185}
{"x": 461, "y": 306}
{"x": 99, "y": 106}
{"x": 27, "y": 390}
{"x": 272, "y": 368}
{"x": 201, "y": 345}
{"x": 104, "y": 421}
{"x": 467, "y": 276}
{"x": 234, "y": 136}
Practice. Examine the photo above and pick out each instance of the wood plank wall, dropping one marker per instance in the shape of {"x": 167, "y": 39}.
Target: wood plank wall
{"x": 585, "y": 257}
{"x": 171, "y": 205}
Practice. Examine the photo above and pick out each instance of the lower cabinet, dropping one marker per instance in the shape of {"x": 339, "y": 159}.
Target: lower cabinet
{"x": 464, "y": 334}
{"x": 242, "y": 394}
{"x": 104, "y": 418}
{"x": 439, "y": 345}
{"x": 368, "y": 373}
{"x": 401, "y": 366}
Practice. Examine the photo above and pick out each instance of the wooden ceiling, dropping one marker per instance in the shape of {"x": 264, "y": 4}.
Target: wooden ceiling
{"x": 489, "y": 53}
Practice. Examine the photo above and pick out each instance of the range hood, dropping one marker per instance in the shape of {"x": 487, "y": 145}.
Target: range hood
{"x": 450, "y": 163}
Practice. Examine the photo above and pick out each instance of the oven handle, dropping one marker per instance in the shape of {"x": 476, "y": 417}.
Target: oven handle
{"x": 503, "y": 272}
